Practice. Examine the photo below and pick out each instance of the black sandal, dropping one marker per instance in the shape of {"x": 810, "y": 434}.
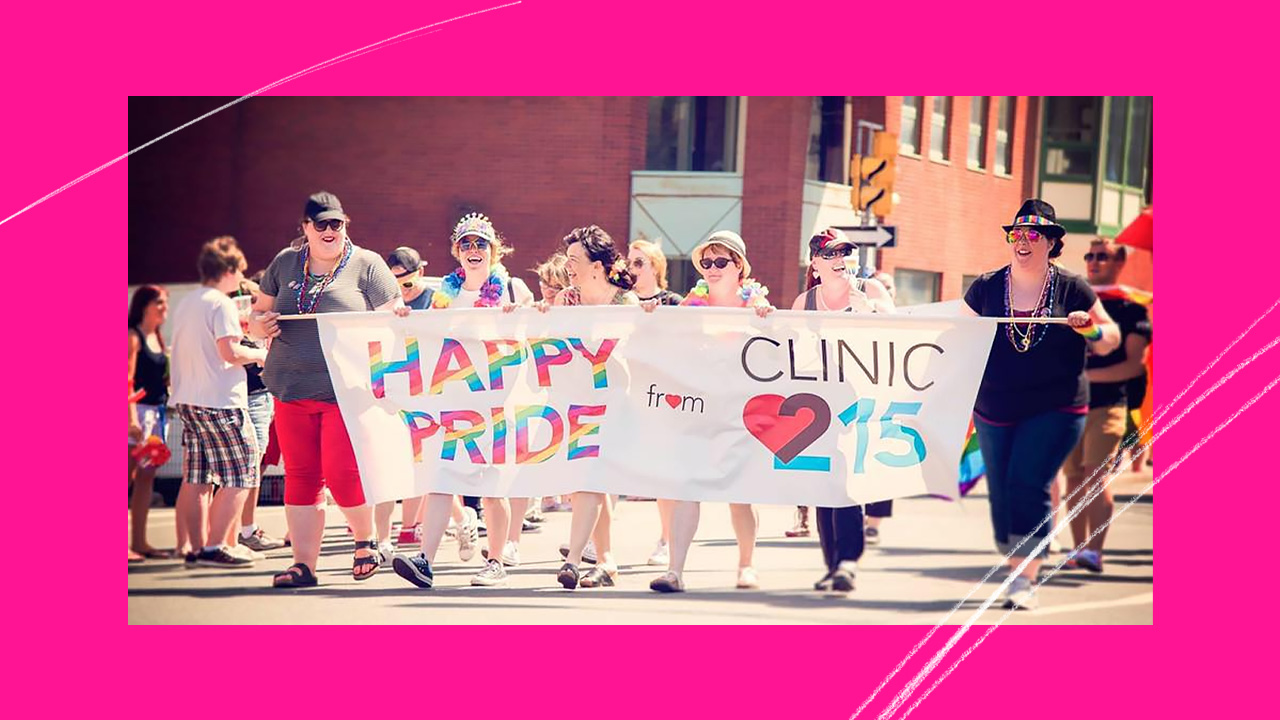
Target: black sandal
{"x": 597, "y": 577}
{"x": 289, "y": 579}
{"x": 568, "y": 576}
{"x": 366, "y": 561}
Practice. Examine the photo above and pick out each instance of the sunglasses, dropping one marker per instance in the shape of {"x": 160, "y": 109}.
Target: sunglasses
{"x": 1099, "y": 257}
{"x": 833, "y": 253}
{"x": 720, "y": 262}
{"x": 322, "y": 225}
{"x": 478, "y": 244}
{"x": 1023, "y": 234}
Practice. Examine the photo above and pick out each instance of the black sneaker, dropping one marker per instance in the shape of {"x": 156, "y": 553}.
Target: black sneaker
{"x": 220, "y": 557}
{"x": 189, "y": 560}
{"x": 842, "y": 578}
{"x": 415, "y": 569}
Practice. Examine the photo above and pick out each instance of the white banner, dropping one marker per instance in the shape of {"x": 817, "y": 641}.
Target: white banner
{"x": 706, "y": 404}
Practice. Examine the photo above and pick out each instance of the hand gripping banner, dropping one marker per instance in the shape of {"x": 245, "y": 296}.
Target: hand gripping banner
{"x": 709, "y": 404}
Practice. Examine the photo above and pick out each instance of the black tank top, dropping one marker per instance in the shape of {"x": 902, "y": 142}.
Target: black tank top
{"x": 151, "y": 373}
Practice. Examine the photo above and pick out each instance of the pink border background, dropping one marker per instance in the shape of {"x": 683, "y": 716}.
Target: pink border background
{"x": 68, "y": 73}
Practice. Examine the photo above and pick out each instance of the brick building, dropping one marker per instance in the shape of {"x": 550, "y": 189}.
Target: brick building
{"x": 774, "y": 169}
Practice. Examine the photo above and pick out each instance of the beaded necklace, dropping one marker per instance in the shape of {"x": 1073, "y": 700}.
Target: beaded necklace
{"x": 1023, "y": 340}
{"x": 307, "y": 302}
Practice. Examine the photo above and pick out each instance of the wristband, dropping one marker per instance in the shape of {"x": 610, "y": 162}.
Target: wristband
{"x": 1091, "y": 332}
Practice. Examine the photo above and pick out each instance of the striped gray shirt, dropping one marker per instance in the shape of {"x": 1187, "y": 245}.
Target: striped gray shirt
{"x": 296, "y": 368}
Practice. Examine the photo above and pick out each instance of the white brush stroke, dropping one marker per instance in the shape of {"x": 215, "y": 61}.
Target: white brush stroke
{"x": 381, "y": 44}
{"x": 1120, "y": 512}
{"x": 977, "y": 586}
{"x": 1096, "y": 489}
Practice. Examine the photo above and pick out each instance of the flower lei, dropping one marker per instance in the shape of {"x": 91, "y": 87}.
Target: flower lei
{"x": 490, "y": 293}
{"x": 752, "y": 294}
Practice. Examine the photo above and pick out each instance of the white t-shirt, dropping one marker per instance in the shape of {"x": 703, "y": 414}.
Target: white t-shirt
{"x": 467, "y": 298}
{"x": 198, "y": 374}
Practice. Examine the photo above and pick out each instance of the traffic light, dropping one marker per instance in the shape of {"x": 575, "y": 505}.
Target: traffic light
{"x": 872, "y": 176}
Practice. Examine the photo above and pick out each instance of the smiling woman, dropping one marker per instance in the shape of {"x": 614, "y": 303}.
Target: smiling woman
{"x": 326, "y": 273}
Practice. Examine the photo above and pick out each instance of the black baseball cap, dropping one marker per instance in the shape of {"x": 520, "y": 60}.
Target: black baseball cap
{"x": 324, "y": 206}
{"x": 407, "y": 258}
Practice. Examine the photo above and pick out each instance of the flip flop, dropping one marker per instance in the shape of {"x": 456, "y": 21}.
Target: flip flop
{"x": 154, "y": 554}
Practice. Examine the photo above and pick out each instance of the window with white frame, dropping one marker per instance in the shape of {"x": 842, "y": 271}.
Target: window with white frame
{"x": 978, "y": 108}
{"x": 940, "y": 129}
{"x": 910, "y": 140}
{"x": 1004, "y": 136}
{"x": 916, "y": 287}
{"x": 827, "y": 160}
{"x": 692, "y": 133}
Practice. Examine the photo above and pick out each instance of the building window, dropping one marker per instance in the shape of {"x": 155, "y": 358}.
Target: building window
{"x": 1004, "y": 136}
{"x": 939, "y": 129}
{"x": 1116, "y": 122}
{"x": 1071, "y": 136}
{"x": 965, "y": 282}
{"x": 978, "y": 108}
{"x": 692, "y": 134}
{"x": 916, "y": 287}
{"x": 1128, "y": 141}
{"x": 910, "y": 141}
{"x": 827, "y": 161}
{"x": 1137, "y": 144}
{"x": 681, "y": 274}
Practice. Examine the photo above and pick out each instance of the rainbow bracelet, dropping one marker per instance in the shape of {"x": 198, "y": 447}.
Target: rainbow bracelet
{"x": 1091, "y": 332}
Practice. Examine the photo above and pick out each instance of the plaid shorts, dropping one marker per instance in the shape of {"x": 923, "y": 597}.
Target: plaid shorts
{"x": 218, "y": 447}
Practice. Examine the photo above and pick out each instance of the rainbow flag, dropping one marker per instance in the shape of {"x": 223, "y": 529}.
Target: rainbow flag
{"x": 972, "y": 468}
{"x": 1123, "y": 292}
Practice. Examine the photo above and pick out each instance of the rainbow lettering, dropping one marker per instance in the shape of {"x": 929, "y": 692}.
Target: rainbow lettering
{"x": 499, "y": 435}
{"x": 467, "y": 435}
{"x": 523, "y": 413}
{"x": 378, "y": 369}
{"x": 499, "y": 359}
{"x": 577, "y": 431}
{"x": 452, "y": 351}
{"x": 597, "y": 359}
{"x": 418, "y": 432}
{"x": 543, "y": 361}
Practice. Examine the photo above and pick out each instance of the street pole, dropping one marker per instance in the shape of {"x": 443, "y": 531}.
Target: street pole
{"x": 863, "y": 143}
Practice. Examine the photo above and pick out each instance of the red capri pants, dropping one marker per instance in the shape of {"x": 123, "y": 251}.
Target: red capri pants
{"x": 317, "y": 451}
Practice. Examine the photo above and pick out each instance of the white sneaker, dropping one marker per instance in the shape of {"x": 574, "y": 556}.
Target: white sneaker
{"x": 1021, "y": 596}
{"x": 245, "y": 552}
{"x": 588, "y": 552}
{"x": 661, "y": 555}
{"x": 492, "y": 575}
{"x": 386, "y": 552}
{"x": 747, "y": 579}
{"x": 510, "y": 554}
{"x": 468, "y": 534}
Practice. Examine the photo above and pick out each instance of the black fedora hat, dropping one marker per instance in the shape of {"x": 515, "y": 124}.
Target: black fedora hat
{"x": 1038, "y": 214}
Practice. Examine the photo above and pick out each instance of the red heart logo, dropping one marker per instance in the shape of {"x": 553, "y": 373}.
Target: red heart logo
{"x": 786, "y": 425}
{"x": 674, "y": 401}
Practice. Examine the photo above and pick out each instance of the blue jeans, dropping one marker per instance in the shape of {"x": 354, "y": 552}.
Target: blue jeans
{"x": 261, "y": 410}
{"x": 1022, "y": 460}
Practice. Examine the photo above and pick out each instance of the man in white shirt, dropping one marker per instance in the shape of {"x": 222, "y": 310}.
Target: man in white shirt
{"x": 210, "y": 392}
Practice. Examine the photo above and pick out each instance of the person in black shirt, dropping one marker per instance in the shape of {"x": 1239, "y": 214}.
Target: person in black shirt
{"x": 1109, "y": 375}
{"x": 1032, "y": 402}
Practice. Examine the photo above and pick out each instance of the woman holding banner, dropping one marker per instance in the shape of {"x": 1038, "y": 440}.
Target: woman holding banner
{"x": 598, "y": 275}
{"x": 726, "y": 282}
{"x": 1034, "y": 396}
{"x": 831, "y": 286}
{"x": 481, "y": 280}
{"x": 324, "y": 272}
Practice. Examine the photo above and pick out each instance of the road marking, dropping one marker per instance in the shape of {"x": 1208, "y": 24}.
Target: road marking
{"x": 1143, "y": 599}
